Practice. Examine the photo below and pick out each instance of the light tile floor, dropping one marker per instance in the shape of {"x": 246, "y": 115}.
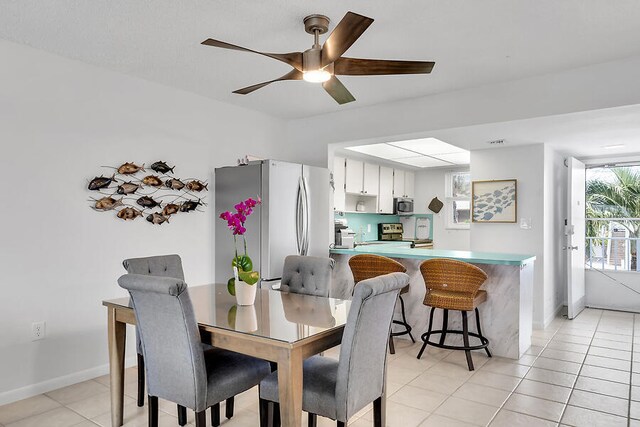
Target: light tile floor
{"x": 584, "y": 372}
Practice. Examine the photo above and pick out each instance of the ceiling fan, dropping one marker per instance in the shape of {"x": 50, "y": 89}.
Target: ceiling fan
{"x": 321, "y": 64}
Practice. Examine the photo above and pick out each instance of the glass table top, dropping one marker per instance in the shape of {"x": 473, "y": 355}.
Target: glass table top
{"x": 276, "y": 315}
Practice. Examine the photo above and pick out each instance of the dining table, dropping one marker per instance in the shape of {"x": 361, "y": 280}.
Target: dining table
{"x": 284, "y": 328}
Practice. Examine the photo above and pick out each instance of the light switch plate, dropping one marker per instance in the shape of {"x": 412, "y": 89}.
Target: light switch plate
{"x": 525, "y": 223}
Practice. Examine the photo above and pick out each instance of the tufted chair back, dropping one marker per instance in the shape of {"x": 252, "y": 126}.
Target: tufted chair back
{"x": 161, "y": 265}
{"x": 364, "y": 343}
{"x": 308, "y": 275}
{"x": 164, "y": 314}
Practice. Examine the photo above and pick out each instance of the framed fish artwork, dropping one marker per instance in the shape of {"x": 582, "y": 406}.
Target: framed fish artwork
{"x": 494, "y": 201}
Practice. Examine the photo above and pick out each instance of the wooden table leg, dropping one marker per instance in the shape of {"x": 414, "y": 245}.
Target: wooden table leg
{"x": 117, "y": 333}
{"x": 290, "y": 388}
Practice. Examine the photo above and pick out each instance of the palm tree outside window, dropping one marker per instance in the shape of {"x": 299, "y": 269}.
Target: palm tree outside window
{"x": 613, "y": 217}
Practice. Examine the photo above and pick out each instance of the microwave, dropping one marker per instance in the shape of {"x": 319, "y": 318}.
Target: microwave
{"x": 402, "y": 206}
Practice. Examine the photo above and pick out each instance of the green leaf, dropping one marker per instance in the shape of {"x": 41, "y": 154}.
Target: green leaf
{"x": 243, "y": 262}
{"x": 231, "y": 286}
{"x": 249, "y": 277}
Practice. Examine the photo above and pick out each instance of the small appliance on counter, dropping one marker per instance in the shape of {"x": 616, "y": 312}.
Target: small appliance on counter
{"x": 394, "y": 232}
{"x": 344, "y": 236}
{"x": 390, "y": 231}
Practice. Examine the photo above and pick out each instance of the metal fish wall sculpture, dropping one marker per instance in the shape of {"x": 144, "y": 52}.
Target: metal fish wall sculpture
{"x": 140, "y": 192}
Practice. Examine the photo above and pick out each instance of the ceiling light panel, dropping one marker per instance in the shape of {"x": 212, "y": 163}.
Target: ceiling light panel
{"x": 428, "y": 146}
{"x": 383, "y": 150}
{"x": 463, "y": 158}
{"x": 422, "y": 162}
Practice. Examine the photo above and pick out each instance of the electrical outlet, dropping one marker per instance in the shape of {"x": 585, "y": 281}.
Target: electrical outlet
{"x": 38, "y": 331}
{"x": 368, "y": 228}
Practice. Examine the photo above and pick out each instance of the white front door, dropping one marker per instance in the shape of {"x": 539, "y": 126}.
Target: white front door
{"x": 575, "y": 237}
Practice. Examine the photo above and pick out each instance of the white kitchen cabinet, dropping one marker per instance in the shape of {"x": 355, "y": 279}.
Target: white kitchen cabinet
{"x": 371, "y": 179}
{"x": 398, "y": 183}
{"x": 403, "y": 183}
{"x": 354, "y": 176}
{"x": 385, "y": 193}
{"x": 339, "y": 184}
{"x": 361, "y": 178}
{"x": 409, "y": 184}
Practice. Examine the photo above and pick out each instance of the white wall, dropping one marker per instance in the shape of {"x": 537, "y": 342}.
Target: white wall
{"x": 542, "y": 181}
{"x": 430, "y": 183}
{"x": 526, "y": 164}
{"x": 606, "y": 290}
{"x": 59, "y": 121}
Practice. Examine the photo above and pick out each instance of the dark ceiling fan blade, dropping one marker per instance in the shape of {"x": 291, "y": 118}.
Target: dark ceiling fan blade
{"x": 293, "y": 58}
{"x": 372, "y": 67}
{"x": 343, "y": 36}
{"x": 291, "y": 75}
{"x": 336, "y": 89}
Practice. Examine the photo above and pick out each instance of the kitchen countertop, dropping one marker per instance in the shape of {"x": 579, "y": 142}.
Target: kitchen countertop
{"x": 403, "y": 250}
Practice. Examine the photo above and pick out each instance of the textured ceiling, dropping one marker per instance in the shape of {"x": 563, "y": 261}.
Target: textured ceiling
{"x": 473, "y": 42}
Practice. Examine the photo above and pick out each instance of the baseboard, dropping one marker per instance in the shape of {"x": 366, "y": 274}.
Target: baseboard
{"x": 542, "y": 325}
{"x": 557, "y": 311}
{"x": 538, "y": 326}
{"x": 58, "y": 382}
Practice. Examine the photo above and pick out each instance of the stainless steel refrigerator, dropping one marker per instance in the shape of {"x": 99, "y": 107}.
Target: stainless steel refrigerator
{"x": 293, "y": 219}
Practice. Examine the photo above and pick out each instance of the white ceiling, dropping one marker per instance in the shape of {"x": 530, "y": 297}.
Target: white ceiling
{"x": 611, "y": 134}
{"x": 582, "y": 135}
{"x": 473, "y": 42}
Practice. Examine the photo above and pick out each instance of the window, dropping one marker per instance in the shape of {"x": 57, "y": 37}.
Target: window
{"x": 458, "y": 199}
{"x": 613, "y": 218}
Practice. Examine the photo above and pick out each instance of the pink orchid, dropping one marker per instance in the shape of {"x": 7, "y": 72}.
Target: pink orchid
{"x": 236, "y": 221}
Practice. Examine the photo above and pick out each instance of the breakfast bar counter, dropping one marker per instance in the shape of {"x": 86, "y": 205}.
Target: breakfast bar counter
{"x": 507, "y": 315}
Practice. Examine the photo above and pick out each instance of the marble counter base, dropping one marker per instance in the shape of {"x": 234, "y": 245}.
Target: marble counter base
{"x": 506, "y": 316}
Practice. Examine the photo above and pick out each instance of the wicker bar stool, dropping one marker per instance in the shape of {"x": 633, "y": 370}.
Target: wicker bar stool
{"x": 366, "y": 266}
{"x": 454, "y": 285}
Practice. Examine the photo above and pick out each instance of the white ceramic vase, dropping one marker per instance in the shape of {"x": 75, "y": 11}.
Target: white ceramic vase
{"x": 245, "y": 293}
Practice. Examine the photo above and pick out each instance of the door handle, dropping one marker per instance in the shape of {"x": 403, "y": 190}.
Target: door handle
{"x": 571, "y": 248}
{"x": 299, "y": 207}
{"x": 305, "y": 217}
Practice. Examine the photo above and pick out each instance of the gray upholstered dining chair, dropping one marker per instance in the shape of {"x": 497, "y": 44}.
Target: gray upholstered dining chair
{"x": 309, "y": 275}
{"x": 164, "y": 266}
{"x": 161, "y": 266}
{"x": 338, "y": 389}
{"x": 183, "y": 372}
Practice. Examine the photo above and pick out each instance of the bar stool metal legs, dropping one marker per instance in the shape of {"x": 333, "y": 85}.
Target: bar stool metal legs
{"x": 406, "y": 328}
{"x": 445, "y": 326}
{"x": 403, "y": 322}
{"x": 484, "y": 342}
{"x": 480, "y": 330}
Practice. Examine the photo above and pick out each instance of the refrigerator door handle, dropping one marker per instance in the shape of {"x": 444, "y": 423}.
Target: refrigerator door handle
{"x": 305, "y": 247}
{"x": 299, "y": 225}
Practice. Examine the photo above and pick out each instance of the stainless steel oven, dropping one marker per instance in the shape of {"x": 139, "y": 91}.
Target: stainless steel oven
{"x": 402, "y": 206}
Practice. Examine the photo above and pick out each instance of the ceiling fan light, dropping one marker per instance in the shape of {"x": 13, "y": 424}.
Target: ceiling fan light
{"x": 316, "y": 76}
